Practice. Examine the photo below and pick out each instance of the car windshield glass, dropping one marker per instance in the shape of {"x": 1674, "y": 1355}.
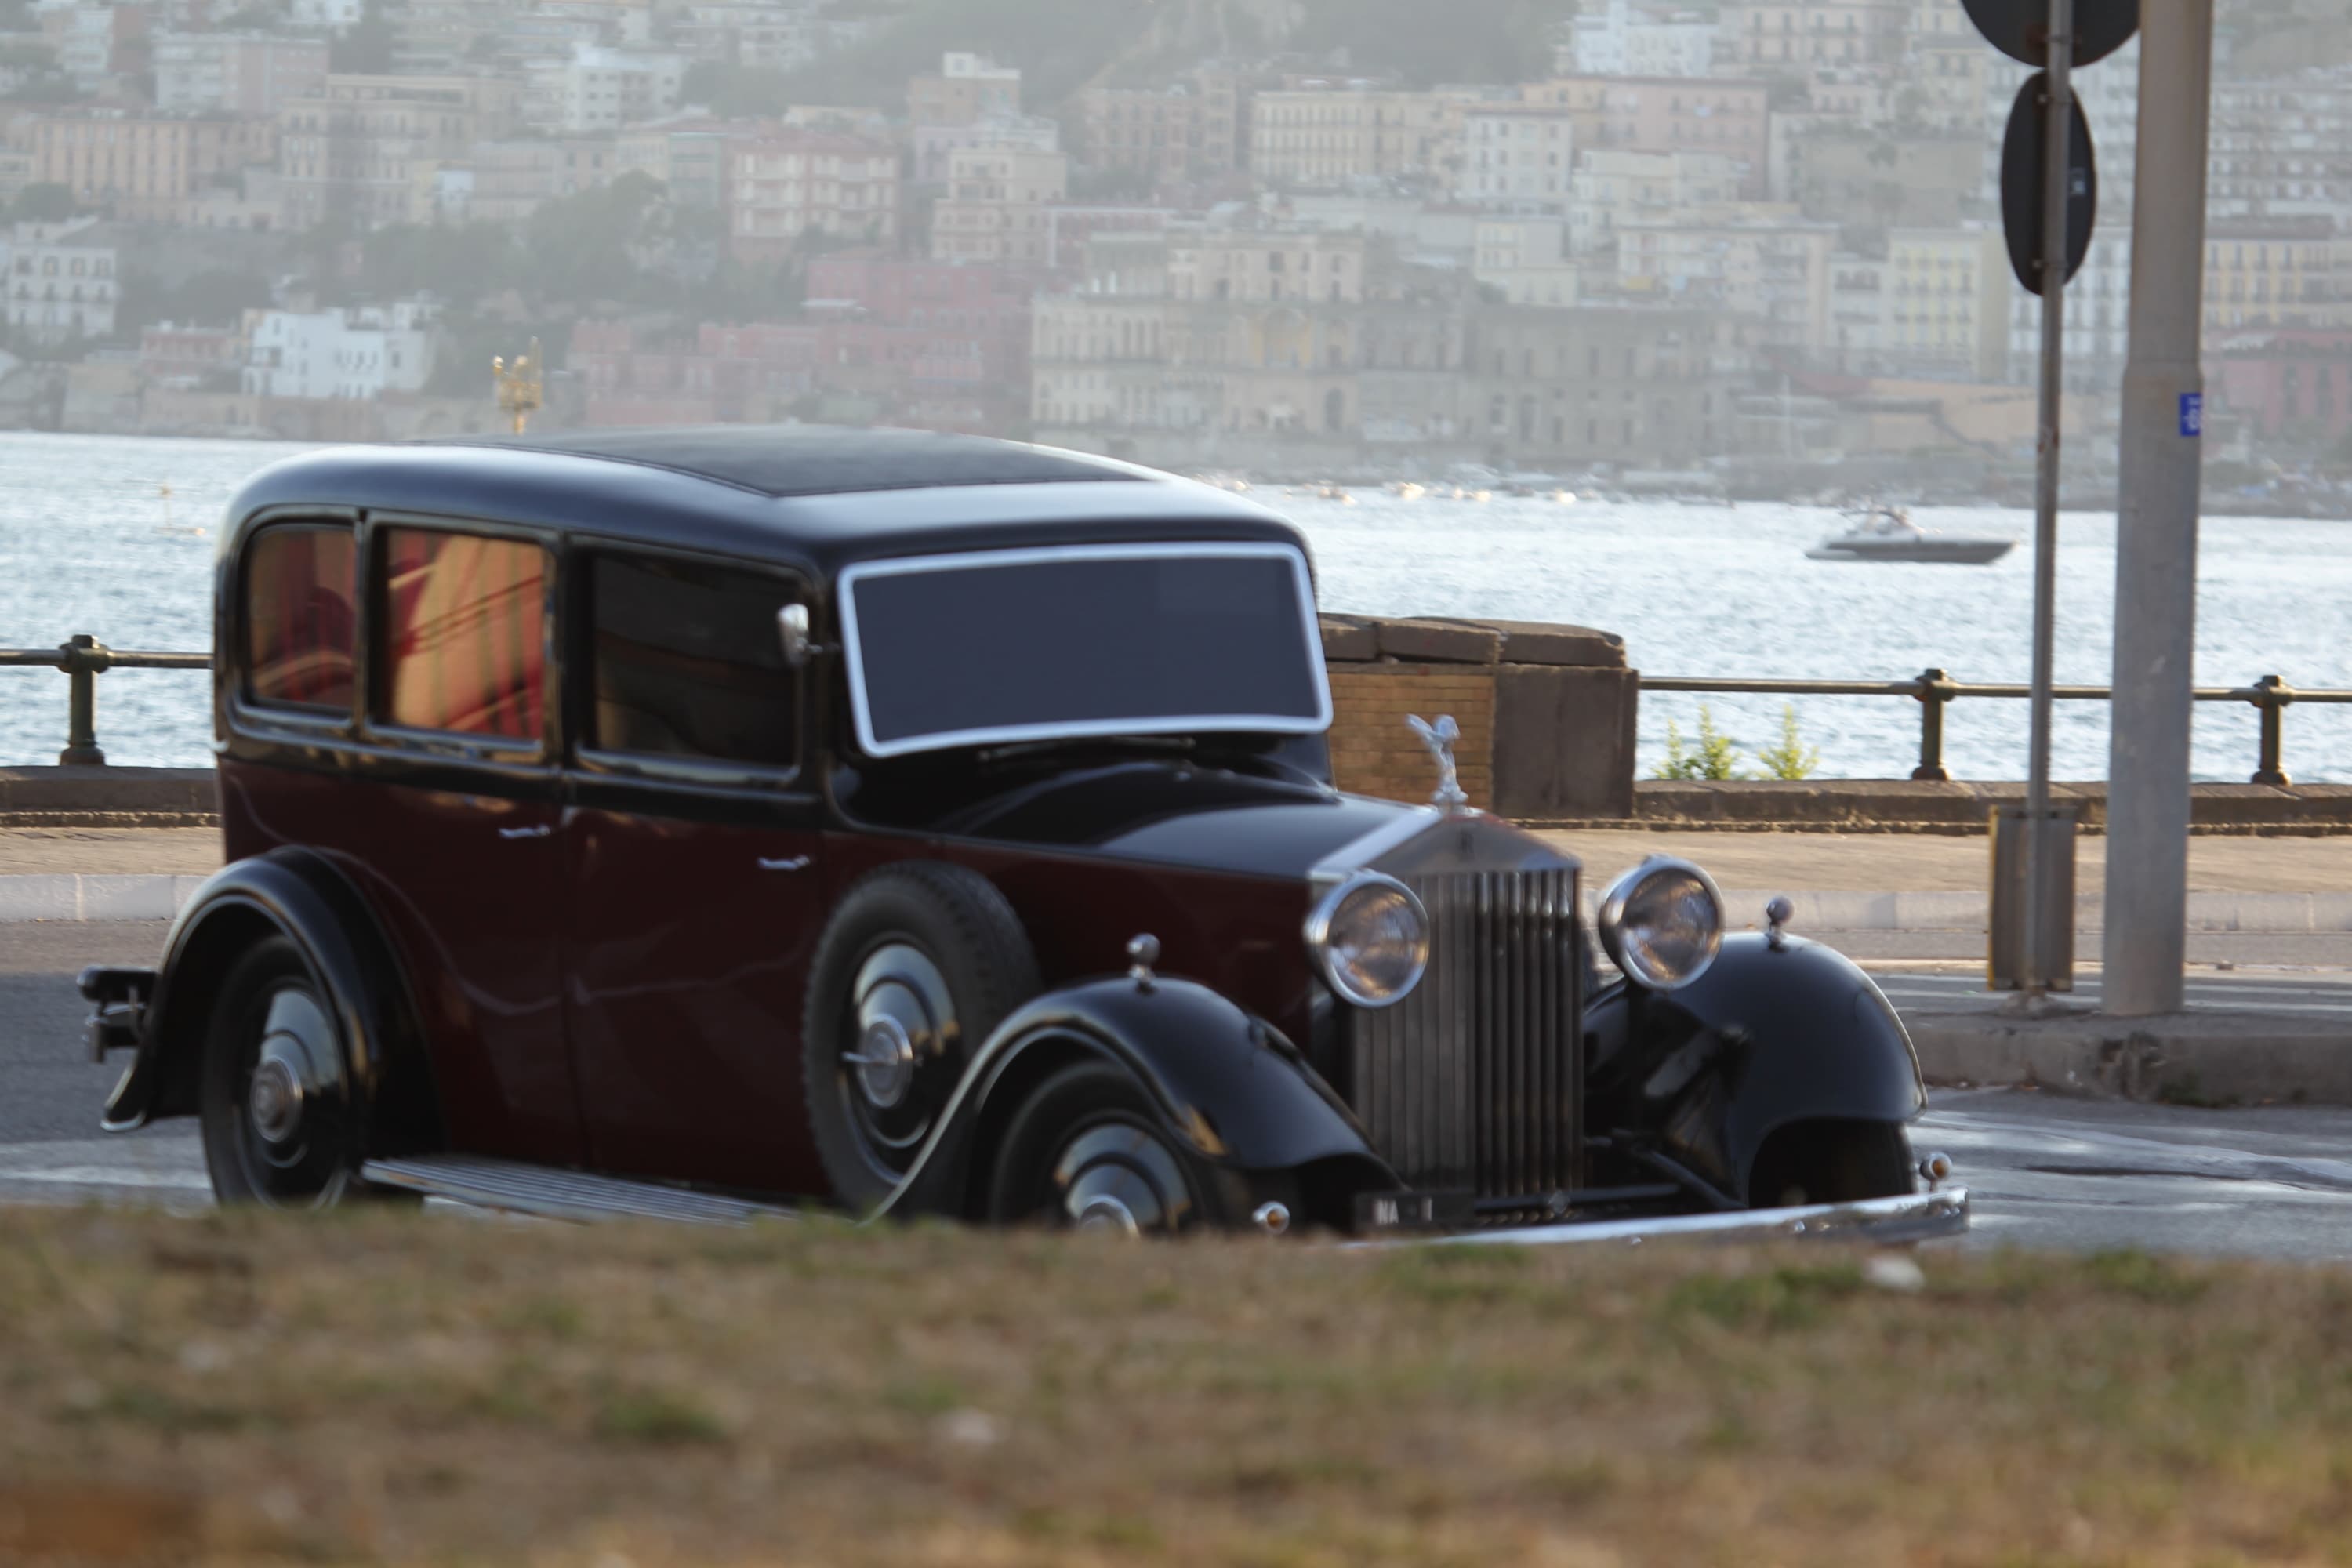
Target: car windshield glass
{"x": 1117, "y": 639}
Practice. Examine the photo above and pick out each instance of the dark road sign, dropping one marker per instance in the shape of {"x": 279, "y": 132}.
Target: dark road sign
{"x": 2024, "y": 154}
{"x": 2020, "y": 28}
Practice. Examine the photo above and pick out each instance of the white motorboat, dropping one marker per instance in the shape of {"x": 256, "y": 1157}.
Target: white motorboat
{"x": 1887, "y": 533}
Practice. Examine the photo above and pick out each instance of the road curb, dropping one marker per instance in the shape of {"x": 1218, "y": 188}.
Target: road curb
{"x": 2267, "y": 914}
{"x": 74, "y": 896}
{"x": 2196, "y": 1058}
{"x": 68, "y": 896}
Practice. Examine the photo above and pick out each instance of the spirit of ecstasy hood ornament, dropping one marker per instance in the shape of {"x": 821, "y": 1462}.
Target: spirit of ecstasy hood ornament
{"x": 1440, "y": 738}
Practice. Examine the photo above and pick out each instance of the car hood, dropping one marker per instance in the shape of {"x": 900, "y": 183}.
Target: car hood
{"x": 1203, "y": 817}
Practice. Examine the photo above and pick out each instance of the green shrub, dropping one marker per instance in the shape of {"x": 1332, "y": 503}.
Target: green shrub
{"x": 1791, "y": 759}
{"x": 1715, "y": 757}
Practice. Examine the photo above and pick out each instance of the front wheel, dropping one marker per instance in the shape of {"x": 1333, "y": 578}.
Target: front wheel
{"x": 1832, "y": 1163}
{"x": 1085, "y": 1152}
{"x": 280, "y": 1129}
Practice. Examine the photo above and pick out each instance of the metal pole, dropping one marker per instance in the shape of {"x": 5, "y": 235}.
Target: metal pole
{"x": 2156, "y": 525}
{"x": 2056, "y": 188}
{"x": 84, "y": 658}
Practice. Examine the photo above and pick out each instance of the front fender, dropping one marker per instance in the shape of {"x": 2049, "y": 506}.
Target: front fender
{"x": 298, "y": 894}
{"x": 1768, "y": 1036}
{"x": 1227, "y": 1085}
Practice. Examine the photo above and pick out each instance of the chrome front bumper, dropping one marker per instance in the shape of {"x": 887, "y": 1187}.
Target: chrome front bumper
{"x": 1884, "y": 1222}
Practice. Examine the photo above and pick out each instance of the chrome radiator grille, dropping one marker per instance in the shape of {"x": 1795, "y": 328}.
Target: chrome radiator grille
{"x": 1473, "y": 1082}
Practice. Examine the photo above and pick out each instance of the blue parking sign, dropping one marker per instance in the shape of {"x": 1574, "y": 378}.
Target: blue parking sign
{"x": 2192, "y": 414}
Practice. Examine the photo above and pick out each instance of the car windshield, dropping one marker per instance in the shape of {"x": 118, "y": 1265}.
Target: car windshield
{"x": 1027, "y": 645}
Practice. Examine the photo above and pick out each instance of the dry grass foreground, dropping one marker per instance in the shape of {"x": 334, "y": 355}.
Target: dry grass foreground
{"x": 389, "y": 1389}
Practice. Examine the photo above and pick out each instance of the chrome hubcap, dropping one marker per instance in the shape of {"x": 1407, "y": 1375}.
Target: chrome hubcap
{"x": 1106, "y": 1213}
{"x": 1118, "y": 1177}
{"x": 884, "y": 1059}
{"x": 275, "y": 1101}
{"x": 904, "y": 1051}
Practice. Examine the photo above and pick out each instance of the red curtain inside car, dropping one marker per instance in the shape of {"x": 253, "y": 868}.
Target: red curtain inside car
{"x": 464, "y": 633}
{"x": 298, "y": 626}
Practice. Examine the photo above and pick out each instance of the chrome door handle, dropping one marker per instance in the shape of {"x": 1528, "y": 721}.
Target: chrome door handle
{"x": 541, "y": 831}
{"x": 793, "y": 863}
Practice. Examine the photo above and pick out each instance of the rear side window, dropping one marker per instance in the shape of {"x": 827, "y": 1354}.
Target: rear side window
{"x": 298, "y": 626}
{"x": 687, "y": 662}
{"x": 464, "y": 633}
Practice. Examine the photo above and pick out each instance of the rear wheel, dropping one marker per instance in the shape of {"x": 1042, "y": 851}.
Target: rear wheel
{"x": 1832, "y": 1162}
{"x": 278, "y": 1128}
{"x": 1087, "y": 1152}
{"x": 917, "y": 968}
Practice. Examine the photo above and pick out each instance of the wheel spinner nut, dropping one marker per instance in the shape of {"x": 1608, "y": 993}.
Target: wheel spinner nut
{"x": 275, "y": 1101}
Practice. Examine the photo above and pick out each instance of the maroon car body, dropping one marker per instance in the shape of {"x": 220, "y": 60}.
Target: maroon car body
{"x": 738, "y": 817}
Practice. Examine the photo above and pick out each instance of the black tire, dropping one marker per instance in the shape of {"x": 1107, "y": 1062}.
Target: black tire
{"x": 936, "y": 948}
{"x": 313, "y": 1160}
{"x": 1832, "y": 1162}
{"x": 1087, "y": 1147}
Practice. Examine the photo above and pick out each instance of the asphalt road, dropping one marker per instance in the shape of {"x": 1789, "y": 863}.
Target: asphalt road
{"x": 2045, "y": 1171}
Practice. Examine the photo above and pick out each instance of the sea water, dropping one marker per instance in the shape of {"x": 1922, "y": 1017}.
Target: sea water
{"x": 99, "y": 534}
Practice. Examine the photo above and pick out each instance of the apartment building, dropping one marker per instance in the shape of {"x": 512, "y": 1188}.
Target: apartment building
{"x": 1764, "y": 34}
{"x": 1647, "y": 386}
{"x": 144, "y": 167}
{"x": 1947, "y": 292}
{"x": 1621, "y": 38}
{"x": 1329, "y": 133}
{"x": 1517, "y": 157}
{"x": 61, "y": 282}
{"x": 965, "y": 89}
{"x": 1749, "y": 260}
{"x": 1729, "y": 117}
{"x": 1611, "y": 188}
{"x": 1195, "y": 128}
{"x": 791, "y": 186}
{"x": 996, "y": 206}
{"x": 605, "y": 89}
{"x": 247, "y": 74}
{"x": 360, "y": 353}
{"x": 1526, "y": 261}
{"x": 508, "y": 181}
{"x": 365, "y": 145}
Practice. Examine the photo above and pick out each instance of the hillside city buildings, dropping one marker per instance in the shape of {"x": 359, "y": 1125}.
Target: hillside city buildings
{"x": 1701, "y": 232}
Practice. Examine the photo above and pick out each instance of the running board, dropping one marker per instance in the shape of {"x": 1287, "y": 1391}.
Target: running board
{"x": 553, "y": 1193}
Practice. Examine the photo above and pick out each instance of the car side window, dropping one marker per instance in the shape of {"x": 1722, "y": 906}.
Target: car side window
{"x": 464, "y": 633}
{"x": 687, "y": 662}
{"x": 299, "y": 631}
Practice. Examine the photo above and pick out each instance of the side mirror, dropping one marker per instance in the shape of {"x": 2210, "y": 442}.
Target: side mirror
{"x": 792, "y": 626}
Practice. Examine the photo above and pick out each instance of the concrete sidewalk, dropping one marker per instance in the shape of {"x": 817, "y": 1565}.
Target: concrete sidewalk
{"x": 1838, "y": 882}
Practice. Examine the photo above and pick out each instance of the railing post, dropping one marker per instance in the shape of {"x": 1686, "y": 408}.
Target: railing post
{"x": 1933, "y": 690}
{"x": 2271, "y": 696}
{"x": 84, "y": 656}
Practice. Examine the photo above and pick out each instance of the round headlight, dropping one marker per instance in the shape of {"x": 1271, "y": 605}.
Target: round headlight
{"x": 1662, "y": 922}
{"x": 1370, "y": 938}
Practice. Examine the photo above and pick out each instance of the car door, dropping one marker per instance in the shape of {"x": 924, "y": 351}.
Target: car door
{"x": 454, "y": 825}
{"x": 692, "y": 882}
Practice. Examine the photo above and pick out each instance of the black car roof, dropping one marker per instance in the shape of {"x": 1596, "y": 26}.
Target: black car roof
{"x": 812, "y": 460}
{"x": 811, "y": 497}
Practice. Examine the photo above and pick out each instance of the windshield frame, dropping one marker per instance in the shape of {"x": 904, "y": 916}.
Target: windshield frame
{"x": 1082, "y": 729}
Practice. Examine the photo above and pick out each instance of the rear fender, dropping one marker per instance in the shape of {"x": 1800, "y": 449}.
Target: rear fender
{"x": 298, "y": 894}
{"x": 1227, "y": 1086}
{"x": 1769, "y": 1036}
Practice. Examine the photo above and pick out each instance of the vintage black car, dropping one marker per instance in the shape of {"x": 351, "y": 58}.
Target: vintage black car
{"x": 700, "y": 822}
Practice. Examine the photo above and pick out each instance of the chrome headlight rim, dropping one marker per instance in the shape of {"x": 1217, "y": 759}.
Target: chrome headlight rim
{"x": 1611, "y": 919}
{"x": 1318, "y": 939}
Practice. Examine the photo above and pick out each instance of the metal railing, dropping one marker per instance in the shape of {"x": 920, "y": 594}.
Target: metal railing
{"x": 84, "y": 659}
{"x": 1933, "y": 690}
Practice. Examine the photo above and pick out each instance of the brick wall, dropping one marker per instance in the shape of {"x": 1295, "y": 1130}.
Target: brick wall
{"x": 1374, "y": 752}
